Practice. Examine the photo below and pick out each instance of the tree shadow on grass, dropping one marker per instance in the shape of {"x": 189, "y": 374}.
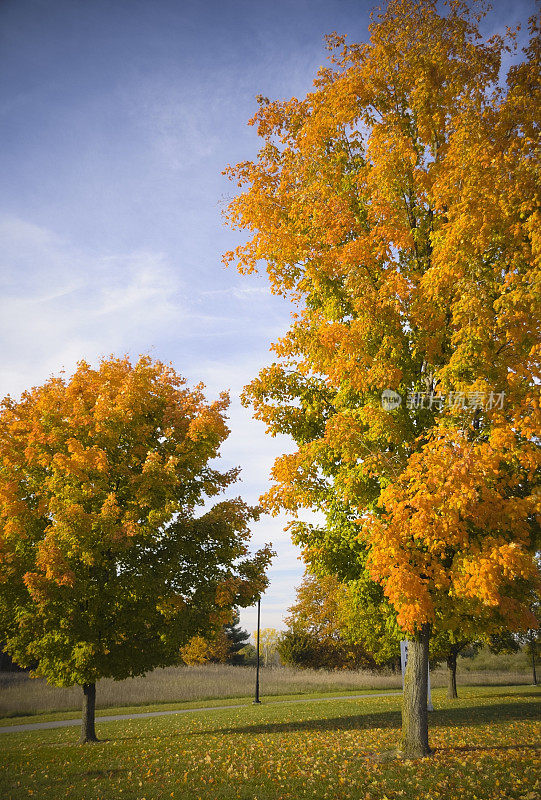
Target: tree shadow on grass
{"x": 470, "y": 716}
{"x": 352, "y": 722}
{"x": 495, "y": 748}
{"x": 450, "y": 717}
{"x": 532, "y": 693}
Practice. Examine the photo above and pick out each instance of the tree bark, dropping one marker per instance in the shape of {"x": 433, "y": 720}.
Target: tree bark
{"x": 414, "y": 702}
{"x": 452, "y": 693}
{"x": 88, "y": 731}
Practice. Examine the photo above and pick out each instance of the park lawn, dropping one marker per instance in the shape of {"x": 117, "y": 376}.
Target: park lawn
{"x": 484, "y": 749}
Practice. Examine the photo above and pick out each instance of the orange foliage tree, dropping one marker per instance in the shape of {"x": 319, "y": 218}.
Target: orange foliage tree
{"x": 316, "y": 635}
{"x": 105, "y": 571}
{"x": 396, "y": 204}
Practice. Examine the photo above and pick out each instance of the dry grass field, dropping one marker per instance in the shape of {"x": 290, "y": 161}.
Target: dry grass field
{"x": 21, "y": 695}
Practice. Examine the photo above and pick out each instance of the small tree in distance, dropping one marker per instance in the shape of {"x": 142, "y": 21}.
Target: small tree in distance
{"x": 222, "y": 647}
{"x": 268, "y": 646}
{"x": 201, "y": 650}
{"x": 316, "y": 636}
{"x": 352, "y": 626}
{"x": 237, "y": 639}
{"x": 106, "y": 570}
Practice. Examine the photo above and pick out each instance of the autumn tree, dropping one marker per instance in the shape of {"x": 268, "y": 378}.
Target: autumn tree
{"x": 316, "y": 635}
{"x": 368, "y": 617}
{"x": 335, "y": 557}
{"x": 213, "y": 649}
{"x": 396, "y": 204}
{"x": 268, "y": 645}
{"x": 222, "y": 647}
{"x": 106, "y": 569}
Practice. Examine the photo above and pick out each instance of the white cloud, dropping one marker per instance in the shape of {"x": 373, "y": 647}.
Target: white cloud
{"x": 60, "y": 304}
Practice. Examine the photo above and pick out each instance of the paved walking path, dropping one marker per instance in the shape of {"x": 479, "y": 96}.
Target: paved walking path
{"x": 66, "y": 723}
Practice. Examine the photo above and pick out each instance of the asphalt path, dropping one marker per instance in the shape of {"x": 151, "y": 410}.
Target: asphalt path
{"x": 67, "y": 723}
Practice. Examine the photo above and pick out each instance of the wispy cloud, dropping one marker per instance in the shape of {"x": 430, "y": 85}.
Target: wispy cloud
{"x": 59, "y": 304}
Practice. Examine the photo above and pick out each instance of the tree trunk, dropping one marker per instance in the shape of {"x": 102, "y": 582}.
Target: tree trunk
{"x": 452, "y": 693}
{"x": 414, "y": 702}
{"x": 88, "y": 731}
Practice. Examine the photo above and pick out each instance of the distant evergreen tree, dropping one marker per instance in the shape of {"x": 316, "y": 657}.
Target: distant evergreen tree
{"x": 237, "y": 639}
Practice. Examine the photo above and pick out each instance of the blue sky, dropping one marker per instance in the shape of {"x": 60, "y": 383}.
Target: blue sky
{"x": 117, "y": 118}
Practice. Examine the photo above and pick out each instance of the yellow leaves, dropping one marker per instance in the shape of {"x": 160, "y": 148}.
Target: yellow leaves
{"x": 436, "y": 506}
{"x": 170, "y": 606}
{"x": 296, "y": 475}
{"x": 94, "y": 458}
{"x": 502, "y": 437}
{"x": 293, "y": 750}
{"x": 227, "y": 591}
{"x": 13, "y": 528}
{"x": 52, "y": 562}
{"x": 36, "y": 585}
{"x": 204, "y": 424}
{"x": 202, "y": 651}
{"x": 196, "y": 651}
{"x": 130, "y": 528}
{"x": 486, "y": 568}
{"x": 153, "y": 463}
{"x": 110, "y": 507}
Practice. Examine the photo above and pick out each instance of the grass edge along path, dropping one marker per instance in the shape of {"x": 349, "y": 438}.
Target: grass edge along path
{"x": 102, "y": 717}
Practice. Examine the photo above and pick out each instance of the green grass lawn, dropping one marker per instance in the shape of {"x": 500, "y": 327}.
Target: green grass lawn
{"x": 485, "y": 748}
